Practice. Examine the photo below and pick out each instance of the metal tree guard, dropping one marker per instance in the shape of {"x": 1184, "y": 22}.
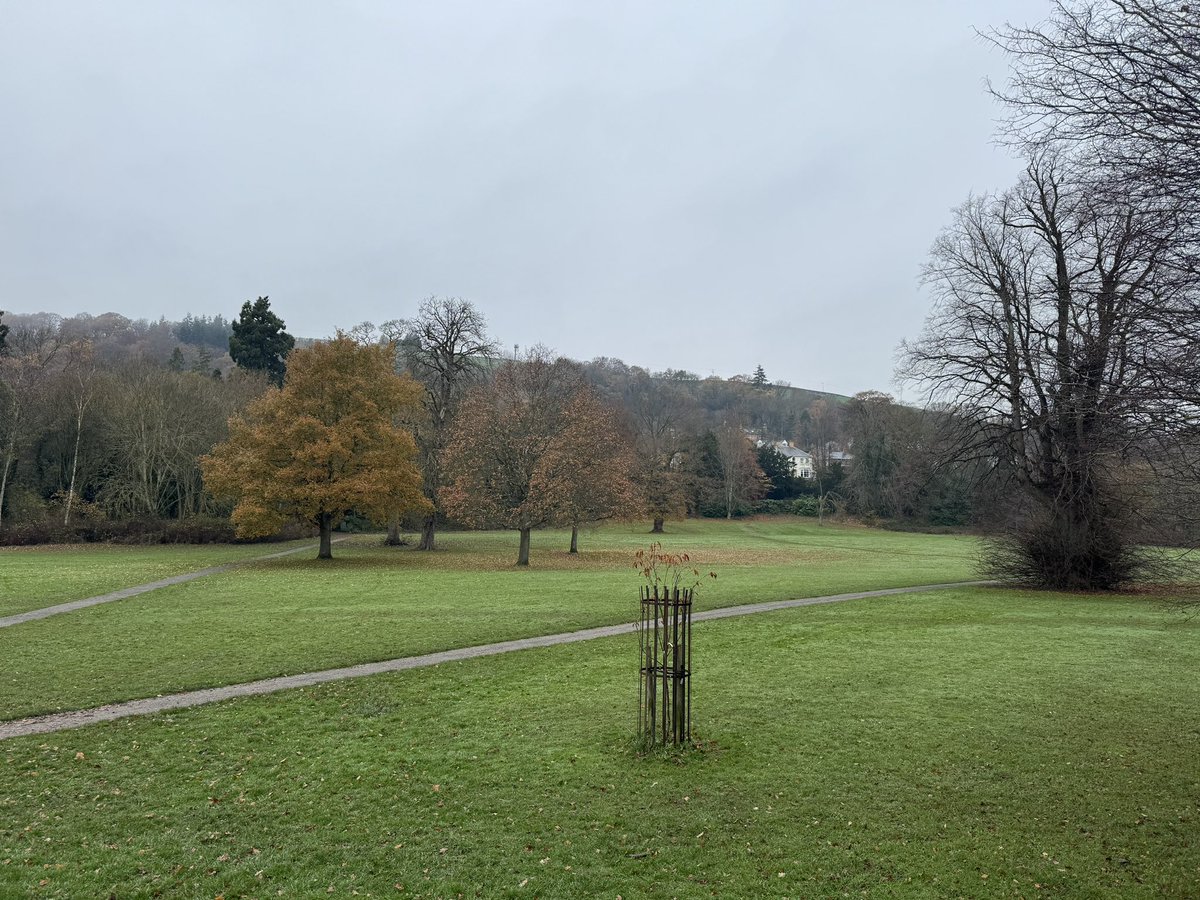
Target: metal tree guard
{"x": 665, "y": 683}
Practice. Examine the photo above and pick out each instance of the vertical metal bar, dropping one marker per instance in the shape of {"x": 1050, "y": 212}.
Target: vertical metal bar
{"x": 675, "y": 724}
{"x": 679, "y": 673}
{"x": 666, "y": 598}
{"x": 689, "y": 667}
{"x": 683, "y": 672}
{"x": 641, "y": 684}
{"x": 654, "y": 671}
{"x": 641, "y": 697}
{"x": 668, "y": 667}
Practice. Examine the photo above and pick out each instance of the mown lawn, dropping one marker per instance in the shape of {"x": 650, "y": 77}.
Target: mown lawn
{"x": 33, "y": 577}
{"x": 370, "y": 602}
{"x": 971, "y": 742}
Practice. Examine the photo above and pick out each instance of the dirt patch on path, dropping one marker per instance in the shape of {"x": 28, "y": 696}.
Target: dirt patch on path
{"x": 62, "y": 721}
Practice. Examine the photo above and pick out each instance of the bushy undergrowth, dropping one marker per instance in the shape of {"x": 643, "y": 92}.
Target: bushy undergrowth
{"x": 797, "y": 506}
{"x": 86, "y": 530}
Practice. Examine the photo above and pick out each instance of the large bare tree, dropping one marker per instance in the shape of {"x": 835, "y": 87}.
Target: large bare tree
{"x": 445, "y": 347}
{"x": 1066, "y": 340}
{"x": 1117, "y": 82}
{"x": 742, "y": 479}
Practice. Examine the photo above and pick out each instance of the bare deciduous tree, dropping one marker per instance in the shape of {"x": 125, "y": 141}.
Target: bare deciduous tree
{"x": 24, "y": 369}
{"x": 445, "y": 348}
{"x": 742, "y": 479}
{"x": 658, "y": 409}
{"x": 1118, "y": 82}
{"x": 1061, "y": 335}
{"x": 80, "y": 377}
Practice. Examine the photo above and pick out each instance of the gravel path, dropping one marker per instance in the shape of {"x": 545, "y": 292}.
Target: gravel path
{"x": 46, "y": 611}
{"x": 78, "y": 718}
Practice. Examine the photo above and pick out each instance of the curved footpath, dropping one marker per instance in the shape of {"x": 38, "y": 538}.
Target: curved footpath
{"x": 46, "y": 611}
{"x": 78, "y": 718}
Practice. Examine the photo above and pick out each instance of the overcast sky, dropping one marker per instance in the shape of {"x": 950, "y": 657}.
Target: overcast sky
{"x": 699, "y": 185}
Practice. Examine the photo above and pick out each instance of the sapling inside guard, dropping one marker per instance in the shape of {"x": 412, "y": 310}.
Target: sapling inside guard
{"x": 665, "y": 646}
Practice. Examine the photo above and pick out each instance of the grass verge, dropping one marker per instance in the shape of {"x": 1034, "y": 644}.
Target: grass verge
{"x": 961, "y": 743}
{"x": 369, "y": 603}
{"x": 33, "y": 577}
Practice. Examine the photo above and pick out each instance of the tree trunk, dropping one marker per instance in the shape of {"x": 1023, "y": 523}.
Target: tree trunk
{"x": 393, "y": 535}
{"x": 574, "y": 539}
{"x": 74, "y": 465}
{"x": 428, "y": 532}
{"x": 658, "y": 525}
{"x": 326, "y": 523}
{"x": 71, "y": 485}
{"x": 9, "y": 454}
{"x": 523, "y": 553}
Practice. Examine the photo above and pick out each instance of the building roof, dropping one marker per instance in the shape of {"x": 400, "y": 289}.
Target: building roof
{"x": 793, "y": 452}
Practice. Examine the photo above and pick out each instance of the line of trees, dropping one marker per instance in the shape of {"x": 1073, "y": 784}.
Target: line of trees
{"x": 102, "y": 420}
{"x": 535, "y": 446}
{"x": 107, "y": 419}
{"x": 96, "y": 428}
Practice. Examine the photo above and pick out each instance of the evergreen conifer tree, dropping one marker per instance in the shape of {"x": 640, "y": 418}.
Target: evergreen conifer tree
{"x": 259, "y": 341}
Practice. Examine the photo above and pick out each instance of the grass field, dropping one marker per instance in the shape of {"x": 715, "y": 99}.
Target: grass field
{"x": 971, "y": 742}
{"x": 33, "y": 577}
{"x": 371, "y": 602}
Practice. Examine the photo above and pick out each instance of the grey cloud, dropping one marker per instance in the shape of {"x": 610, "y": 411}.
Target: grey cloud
{"x": 703, "y": 186}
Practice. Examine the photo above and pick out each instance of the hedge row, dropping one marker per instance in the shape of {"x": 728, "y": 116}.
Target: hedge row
{"x": 196, "y": 530}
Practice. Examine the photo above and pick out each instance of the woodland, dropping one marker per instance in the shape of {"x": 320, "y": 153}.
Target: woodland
{"x": 106, "y": 422}
{"x": 128, "y": 430}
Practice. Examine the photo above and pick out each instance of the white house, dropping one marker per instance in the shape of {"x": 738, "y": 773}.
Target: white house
{"x": 801, "y": 461}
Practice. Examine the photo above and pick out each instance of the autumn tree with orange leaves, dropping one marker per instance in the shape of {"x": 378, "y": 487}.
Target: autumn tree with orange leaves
{"x": 524, "y": 447}
{"x": 602, "y": 465}
{"x": 328, "y": 441}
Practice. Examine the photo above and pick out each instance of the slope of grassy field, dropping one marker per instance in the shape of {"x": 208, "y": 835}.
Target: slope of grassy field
{"x": 971, "y": 742}
{"x": 370, "y": 602}
{"x": 33, "y": 577}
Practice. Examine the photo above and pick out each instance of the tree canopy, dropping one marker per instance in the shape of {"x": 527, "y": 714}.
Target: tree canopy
{"x": 325, "y": 443}
{"x": 514, "y": 457}
{"x": 1116, "y": 84}
{"x": 213, "y": 331}
{"x": 603, "y": 458}
{"x": 445, "y": 348}
{"x": 1058, "y": 336}
{"x": 259, "y": 342}
{"x": 1066, "y": 326}
{"x": 777, "y": 469}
